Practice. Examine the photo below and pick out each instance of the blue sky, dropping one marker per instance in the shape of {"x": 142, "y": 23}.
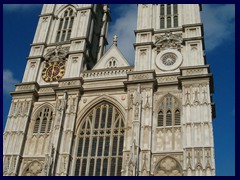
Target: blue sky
{"x": 20, "y": 22}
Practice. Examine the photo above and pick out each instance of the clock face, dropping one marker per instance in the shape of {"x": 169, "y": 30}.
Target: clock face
{"x": 53, "y": 71}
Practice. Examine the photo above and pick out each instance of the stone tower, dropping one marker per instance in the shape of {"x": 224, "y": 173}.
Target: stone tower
{"x": 82, "y": 110}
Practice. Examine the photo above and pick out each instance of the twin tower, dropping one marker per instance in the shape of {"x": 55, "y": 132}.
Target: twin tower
{"x": 82, "y": 110}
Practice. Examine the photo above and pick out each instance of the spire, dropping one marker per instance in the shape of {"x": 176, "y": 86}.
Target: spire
{"x": 115, "y": 40}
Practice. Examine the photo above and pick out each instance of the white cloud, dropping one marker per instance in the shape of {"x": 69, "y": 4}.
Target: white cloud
{"x": 19, "y": 7}
{"x": 218, "y": 23}
{"x": 8, "y": 81}
{"x": 124, "y": 27}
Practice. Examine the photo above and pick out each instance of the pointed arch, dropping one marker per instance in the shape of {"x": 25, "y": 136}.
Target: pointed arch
{"x": 42, "y": 118}
{"x": 96, "y": 101}
{"x": 99, "y": 140}
{"x": 168, "y": 166}
{"x": 61, "y": 9}
{"x": 168, "y": 111}
{"x": 33, "y": 168}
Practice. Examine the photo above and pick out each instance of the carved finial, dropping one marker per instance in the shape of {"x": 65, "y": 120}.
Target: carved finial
{"x": 115, "y": 40}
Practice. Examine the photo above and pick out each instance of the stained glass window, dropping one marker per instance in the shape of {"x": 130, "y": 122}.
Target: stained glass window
{"x": 100, "y": 139}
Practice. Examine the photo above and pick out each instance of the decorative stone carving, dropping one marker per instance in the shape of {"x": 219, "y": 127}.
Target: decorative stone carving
{"x": 71, "y": 104}
{"x": 34, "y": 169}
{"x": 106, "y": 73}
{"x": 140, "y": 76}
{"x": 56, "y": 54}
{"x": 43, "y": 90}
{"x": 168, "y": 40}
{"x": 167, "y": 79}
{"x": 168, "y": 167}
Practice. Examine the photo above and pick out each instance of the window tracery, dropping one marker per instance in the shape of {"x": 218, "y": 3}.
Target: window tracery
{"x": 100, "y": 142}
{"x": 168, "y": 16}
{"x": 65, "y": 25}
{"x": 169, "y": 113}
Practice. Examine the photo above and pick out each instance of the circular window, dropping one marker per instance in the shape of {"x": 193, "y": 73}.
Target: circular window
{"x": 169, "y": 60}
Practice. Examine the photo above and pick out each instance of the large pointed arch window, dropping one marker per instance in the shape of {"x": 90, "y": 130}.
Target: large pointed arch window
{"x": 169, "y": 113}
{"x": 100, "y": 142}
{"x": 65, "y": 25}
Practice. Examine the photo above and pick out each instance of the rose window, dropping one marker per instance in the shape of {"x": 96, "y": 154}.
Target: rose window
{"x": 169, "y": 59}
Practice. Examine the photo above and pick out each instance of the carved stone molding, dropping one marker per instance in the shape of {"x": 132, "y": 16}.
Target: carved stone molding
{"x": 168, "y": 40}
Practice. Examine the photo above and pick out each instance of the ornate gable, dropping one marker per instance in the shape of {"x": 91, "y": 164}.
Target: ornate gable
{"x": 113, "y": 58}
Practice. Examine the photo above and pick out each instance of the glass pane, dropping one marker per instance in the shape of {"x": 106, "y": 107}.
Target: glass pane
{"x": 68, "y": 35}
{"x": 77, "y": 167}
{"x": 162, "y": 10}
{"x": 175, "y": 9}
{"x": 71, "y": 12}
{"x": 63, "y": 35}
{"x": 119, "y": 167}
{"x": 98, "y": 167}
{"x": 91, "y": 168}
{"x": 112, "y": 173}
{"x": 169, "y": 118}
{"x": 168, "y": 9}
{"x": 86, "y": 145}
{"x": 94, "y": 142}
{"x": 71, "y": 23}
{"x": 177, "y": 118}
{"x": 103, "y": 117}
{"x": 175, "y": 21}
{"x": 80, "y": 144}
{"x": 168, "y": 22}
{"x": 110, "y": 110}
{"x": 106, "y": 150}
{"x": 65, "y": 13}
{"x": 120, "y": 152}
{"x": 66, "y": 23}
{"x": 100, "y": 146}
{"x": 60, "y": 24}
{"x": 84, "y": 164}
{"x": 44, "y": 124}
{"x": 162, "y": 23}
{"x": 160, "y": 118}
{"x": 114, "y": 148}
{"x": 104, "y": 170}
{"x": 36, "y": 126}
{"x": 97, "y": 118}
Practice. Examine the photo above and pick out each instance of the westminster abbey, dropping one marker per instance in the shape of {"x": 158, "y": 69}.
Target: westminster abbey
{"x": 82, "y": 110}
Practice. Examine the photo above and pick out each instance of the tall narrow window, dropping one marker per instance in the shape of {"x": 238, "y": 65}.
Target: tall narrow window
{"x": 177, "y": 117}
{"x": 168, "y": 22}
{"x": 168, "y": 9}
{"x": 43, "y": 121}
{"x": 101, "y": 141}
{"x": 160, "y": 118}
{"x": 65, "y": 26}
{"x": 168, "y": 14}
{"x": 169, "y": 114}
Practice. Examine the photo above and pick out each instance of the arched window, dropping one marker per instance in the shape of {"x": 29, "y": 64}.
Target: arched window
{"x": 168, "y": 15}
{"x": 169, "y": 113}
{"x": 112, "y": 63}
{"x": 65, "y": 26}
{"x": 100, "y": 142}
{"x": 43, "y": 121}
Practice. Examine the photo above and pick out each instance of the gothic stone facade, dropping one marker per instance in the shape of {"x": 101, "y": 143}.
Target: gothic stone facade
{"x": 82, "y": 110}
